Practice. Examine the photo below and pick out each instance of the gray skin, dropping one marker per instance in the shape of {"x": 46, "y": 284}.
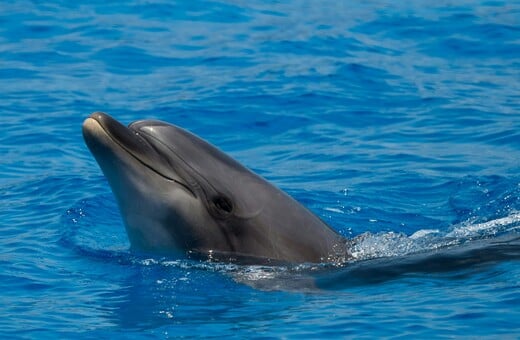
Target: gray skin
{"x": 179, "y": 194}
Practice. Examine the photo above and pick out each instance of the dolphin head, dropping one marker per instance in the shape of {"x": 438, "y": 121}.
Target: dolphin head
{"x": 177, "y": 193}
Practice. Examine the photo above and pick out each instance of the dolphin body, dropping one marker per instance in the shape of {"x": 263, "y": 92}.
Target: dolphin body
{"x": 178, "y": 194}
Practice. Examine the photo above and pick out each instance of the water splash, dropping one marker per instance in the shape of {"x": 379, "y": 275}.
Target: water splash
{"x": 494, "y": 227}
{"x": 391, "y": 244}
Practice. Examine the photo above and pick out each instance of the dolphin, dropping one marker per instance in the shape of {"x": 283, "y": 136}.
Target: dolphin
{"x": 180, "y": 195}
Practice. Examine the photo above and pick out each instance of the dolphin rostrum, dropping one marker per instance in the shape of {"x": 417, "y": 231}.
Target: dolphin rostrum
{"x": 179, "y": 194}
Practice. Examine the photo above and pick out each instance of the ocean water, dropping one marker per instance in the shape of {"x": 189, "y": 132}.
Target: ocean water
{"x": 398, "y": 123}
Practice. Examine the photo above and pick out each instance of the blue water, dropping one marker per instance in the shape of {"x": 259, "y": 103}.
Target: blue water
{"x": 398, "y": 123}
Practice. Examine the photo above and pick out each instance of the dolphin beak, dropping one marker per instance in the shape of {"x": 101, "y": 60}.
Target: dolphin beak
{"x": 109, "y": 140}
{"x": 100, "y": 122}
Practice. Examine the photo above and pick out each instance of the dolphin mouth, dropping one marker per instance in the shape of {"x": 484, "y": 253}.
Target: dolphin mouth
{"x": 132, "y": 142}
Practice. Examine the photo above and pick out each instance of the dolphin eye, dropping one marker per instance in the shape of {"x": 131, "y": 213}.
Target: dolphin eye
{"x": 223, "y": 205}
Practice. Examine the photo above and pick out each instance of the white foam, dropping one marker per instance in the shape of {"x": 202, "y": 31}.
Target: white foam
{"x": 423, "y": 232}
{"x": 388, "y": 244}
{"x": 489, "y": 228}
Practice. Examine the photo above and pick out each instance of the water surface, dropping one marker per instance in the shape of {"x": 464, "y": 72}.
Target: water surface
{"x": 396, "y": 123}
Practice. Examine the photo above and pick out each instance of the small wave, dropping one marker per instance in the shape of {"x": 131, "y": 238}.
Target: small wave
{"x": 391, "y": 244}
{"x": 485, "y": 229}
